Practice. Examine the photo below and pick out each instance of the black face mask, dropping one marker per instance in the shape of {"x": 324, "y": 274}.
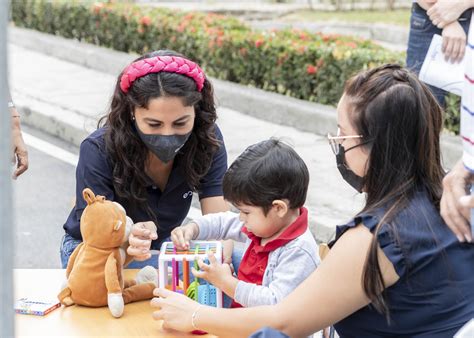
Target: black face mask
{"x": 165, "y": 147}
{"x": 347, "y": 174}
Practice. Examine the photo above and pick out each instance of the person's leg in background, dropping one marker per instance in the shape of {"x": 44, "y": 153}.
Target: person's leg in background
{"x": 68, "y": 244}
{"x": 419, "y": 40}
{"x": 152, "y": 261}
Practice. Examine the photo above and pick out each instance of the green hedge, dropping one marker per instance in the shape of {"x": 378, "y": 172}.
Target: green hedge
{"x": 304, "y": 65}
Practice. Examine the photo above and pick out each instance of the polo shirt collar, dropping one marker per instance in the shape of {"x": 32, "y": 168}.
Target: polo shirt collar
{"x": 296, "y": 229}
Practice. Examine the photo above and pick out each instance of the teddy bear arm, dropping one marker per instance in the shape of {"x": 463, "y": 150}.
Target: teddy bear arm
{"x": 72, "y": 259}
{"x": 112, "y": 282}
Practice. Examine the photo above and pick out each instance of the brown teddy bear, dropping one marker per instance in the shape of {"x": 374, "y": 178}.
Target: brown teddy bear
{"x": 94, "y": 272}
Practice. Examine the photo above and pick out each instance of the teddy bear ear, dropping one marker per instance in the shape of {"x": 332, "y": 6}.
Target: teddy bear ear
{"x": 117, "y": 225}
{"x": 88, "y": 195}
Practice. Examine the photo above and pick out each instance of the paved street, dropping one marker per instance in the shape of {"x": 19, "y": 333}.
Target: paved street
{"x": 42, "y": 201}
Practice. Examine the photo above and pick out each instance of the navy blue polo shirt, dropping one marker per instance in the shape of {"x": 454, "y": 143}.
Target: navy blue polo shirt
{"x": 434, "y": 296}
{"x": 171, "y": 206}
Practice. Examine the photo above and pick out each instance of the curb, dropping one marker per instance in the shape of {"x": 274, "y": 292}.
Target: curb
{"x": 276, "y": 108}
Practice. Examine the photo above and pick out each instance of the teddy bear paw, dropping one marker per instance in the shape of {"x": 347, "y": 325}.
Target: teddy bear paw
{"x": 147, "y": 275}
{"x": 116, "y": 305}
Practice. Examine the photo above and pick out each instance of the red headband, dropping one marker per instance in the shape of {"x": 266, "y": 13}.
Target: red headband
{"x": 156, "y": 64}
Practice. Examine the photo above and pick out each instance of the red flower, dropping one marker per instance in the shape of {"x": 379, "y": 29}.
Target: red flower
{"x": 98, "y": 7}
{"x": 303, "y": 36}
{"x": 351, "y": 44}
{"x": 258, "y": 43}
{"x": 310, "y": 69}
{"x": 145, "y": 21}
{"x": 182, "y": 27}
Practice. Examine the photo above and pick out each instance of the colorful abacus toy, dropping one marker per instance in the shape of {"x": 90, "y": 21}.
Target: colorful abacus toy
{"x": 206, "y": 293}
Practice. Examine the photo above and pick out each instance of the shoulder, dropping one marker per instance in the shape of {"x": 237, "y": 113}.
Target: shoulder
{"x": 418, "y": 213}
{"x": 305, "y": 241}
{"x": 95, "y": 139}
{"x": 304, "y": 245}
{"x": 220, "y": 139}
{"x": 93, "y": 148}
{"x": 218, "y": 132}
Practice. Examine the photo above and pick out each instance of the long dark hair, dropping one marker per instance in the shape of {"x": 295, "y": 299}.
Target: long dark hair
{"x": 128, "y": 154}
{"x": 401, "y": 121}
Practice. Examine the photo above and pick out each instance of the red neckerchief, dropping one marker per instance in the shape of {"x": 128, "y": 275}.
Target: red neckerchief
{"x": 255, "y": 260}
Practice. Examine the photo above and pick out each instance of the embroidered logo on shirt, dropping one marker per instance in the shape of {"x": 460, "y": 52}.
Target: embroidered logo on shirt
{"x": 187, "y": 194}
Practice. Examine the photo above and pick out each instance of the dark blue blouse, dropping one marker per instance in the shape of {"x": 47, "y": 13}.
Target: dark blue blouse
{"x": 434, "y": 296}
{"x": 171, "y": 205}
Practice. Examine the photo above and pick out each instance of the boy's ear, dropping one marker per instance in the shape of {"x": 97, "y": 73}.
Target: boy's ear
{"x": 281, "y": 207}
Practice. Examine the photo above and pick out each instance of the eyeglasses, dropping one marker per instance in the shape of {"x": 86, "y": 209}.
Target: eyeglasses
{"x": 333, "y": 140}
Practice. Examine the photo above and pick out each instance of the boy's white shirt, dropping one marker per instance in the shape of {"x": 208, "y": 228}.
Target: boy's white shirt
{"x": 287, "y": 267}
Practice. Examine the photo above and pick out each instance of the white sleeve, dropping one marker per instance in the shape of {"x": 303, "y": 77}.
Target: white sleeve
{"x": 222, "y": 225}
{"x": 293, "y": 267}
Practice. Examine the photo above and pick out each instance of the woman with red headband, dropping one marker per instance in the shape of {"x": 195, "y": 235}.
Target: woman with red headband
{"x": 158, "y": 144}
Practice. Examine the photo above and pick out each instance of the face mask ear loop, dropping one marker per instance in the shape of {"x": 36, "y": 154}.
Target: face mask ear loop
{"x": 357, "y": 145}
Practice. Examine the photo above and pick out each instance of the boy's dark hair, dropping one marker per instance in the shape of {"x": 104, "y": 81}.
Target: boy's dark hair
{"x": 267, "y": 171}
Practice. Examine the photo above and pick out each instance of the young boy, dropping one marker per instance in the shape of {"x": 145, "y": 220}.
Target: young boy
{"x": 268, "y": 183}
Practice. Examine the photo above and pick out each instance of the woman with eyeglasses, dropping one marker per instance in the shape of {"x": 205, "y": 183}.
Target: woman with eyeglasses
{"x": 394, "y": 270}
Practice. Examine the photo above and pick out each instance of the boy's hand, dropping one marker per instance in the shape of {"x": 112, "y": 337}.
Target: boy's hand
{"x": 181, "y": 236}
{"x": 219, "y": 275}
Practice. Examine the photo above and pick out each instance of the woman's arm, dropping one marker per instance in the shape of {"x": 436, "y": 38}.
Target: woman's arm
{"x": 20, "y": 153}
{"x": 337, "y": 281}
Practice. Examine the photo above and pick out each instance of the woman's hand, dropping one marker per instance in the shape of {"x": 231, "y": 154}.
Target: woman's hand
{"x": 175, "y": 310}
{"x": 20, "y": 154}
{"x": 454, "y": 42}
{"x": 140, "y": 240}
{"x": 456, "y": 203}
{"x": 443, "y": 12}
{"x": 181, "y": 236}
